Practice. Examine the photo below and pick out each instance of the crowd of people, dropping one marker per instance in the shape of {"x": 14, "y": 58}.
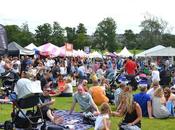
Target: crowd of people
{"x": 72, "y": 76}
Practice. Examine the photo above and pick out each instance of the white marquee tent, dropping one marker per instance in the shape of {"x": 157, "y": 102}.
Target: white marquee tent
{"x": 125, "y": 53}
{"x": 31, "y": 46}
{"x": 168, "y": 51}
{"x": 49, "y": 49}
{"x": 144, "y": 53}
{"x": 13, "y": 46}
{"x": 95, "y": 54}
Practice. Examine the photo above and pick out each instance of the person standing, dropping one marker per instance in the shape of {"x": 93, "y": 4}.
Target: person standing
{"x": 131, "y": 68}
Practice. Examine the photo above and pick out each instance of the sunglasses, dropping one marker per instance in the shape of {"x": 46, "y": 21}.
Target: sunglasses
{"x": 165, "y": 92}
{"x": 47, "y": 90}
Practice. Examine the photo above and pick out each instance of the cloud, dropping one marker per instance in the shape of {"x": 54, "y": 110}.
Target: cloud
{"x": 127, "y": 13}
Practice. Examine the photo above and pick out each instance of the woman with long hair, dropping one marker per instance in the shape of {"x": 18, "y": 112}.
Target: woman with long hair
{"x": 170, "y": 100}
{"x": 158, "y": 104}
{"x": 131, "y": 112}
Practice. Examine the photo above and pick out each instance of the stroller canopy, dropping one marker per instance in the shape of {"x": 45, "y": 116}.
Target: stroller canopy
{"x": 26, "y": 87}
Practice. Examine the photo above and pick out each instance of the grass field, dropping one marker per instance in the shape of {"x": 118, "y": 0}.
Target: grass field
{"x": 65, "y": 103}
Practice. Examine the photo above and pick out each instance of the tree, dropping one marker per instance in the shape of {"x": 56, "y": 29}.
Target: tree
{"x": 70, "y": 34}
{"x": 81, "y": 38}
{"x": 168, "y": 40}
{"x": 129, "y": 39}
{"x": 43, "y": 33}
{"x": 26, "y": 37}
{"x": 21, "y": 35}
{"x": 13, "y": 32}
{"x": 105, "y": 35}
{"x": 152, "y": 30}
{"x": 57, "y": 37}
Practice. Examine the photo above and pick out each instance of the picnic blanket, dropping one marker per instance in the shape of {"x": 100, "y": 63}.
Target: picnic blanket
{"x": 73, "y": 121}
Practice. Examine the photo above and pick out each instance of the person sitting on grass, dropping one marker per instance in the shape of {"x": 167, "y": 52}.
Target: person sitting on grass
{"x": 68, "y": 89}
{"x": 45, "y": 109}
{"x": 151, "y": 91}
{"x": 117, "y": 94}
{"x": 144, "y": 100}
{"x": 131, "y": 111}
{"x": 170, "y": 100}
{"x": 85, "y": 85}
{"x": 158, "y": 104}
{"x": 85, "y": 101}
{"x": 102, "y": 121}
{"x": 98, "y": 94}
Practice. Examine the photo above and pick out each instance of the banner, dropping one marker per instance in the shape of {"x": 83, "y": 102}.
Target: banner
{"x": 87, "y": 49}
{"x": 3, "y": 38}
{"x": 69, "y": 47}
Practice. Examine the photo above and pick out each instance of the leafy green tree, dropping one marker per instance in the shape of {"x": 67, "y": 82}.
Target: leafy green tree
{"x": 70, "y": 34}
{"x": 105, "y": 35}
{"x": 57, "y": 37}
{"x": 81, "y": 38}
{"x": 43, "y": 34}
{"x": 26, "y": 37}
{"x": 21, "y": 35}
{"x": 13, "y": 32}
{"x": 168, "y": 40}
{"x": 129, "y": 39}
{"x": 152, "y": 30}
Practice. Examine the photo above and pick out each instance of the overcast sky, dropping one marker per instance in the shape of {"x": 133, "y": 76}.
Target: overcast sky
{"x": 128, "y": 14}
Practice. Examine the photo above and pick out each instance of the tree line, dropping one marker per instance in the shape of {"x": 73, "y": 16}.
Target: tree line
{"x": 154, "y": 31}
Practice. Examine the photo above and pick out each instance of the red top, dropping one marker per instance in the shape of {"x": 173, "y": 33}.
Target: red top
{"x": 130, "y": 67}
{"x": 61, "y": 86}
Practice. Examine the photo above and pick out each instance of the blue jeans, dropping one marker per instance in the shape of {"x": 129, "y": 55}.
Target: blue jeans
{"x": 170, "y": 107}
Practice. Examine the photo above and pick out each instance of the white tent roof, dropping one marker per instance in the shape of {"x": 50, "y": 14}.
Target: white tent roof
{"x": 143, "y": 54}
{"x": 13, "y": 46}
{"x": 125, "y": 53}
{"x": 53, "y": 50}
{"x": 95, "y": 55}
{"x": 168, "y": 51}
{"x": 31, "y": 46}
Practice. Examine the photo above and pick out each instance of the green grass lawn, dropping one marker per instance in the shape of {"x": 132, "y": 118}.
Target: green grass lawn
{"x": 65, "y": 103}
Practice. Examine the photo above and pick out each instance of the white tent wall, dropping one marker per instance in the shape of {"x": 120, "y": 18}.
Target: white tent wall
{"x": 168, "y": 51}
{"x": 22, "y": 51}
{"x": 144, "y": 53}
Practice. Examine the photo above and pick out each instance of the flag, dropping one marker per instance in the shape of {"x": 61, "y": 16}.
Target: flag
{"x": 69, "y": 47}
{"x": 3, "y": 38}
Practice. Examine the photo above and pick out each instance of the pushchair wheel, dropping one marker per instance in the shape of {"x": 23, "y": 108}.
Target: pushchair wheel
{"x": 43, "y": 127}
{"x": 8, "y": 125}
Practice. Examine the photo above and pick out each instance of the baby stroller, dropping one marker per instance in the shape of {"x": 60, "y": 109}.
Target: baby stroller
{"x": 112, "y": 78}
{"x": 8, "y": 80}
{"x": 143, "y": 80}
{"x": 25, "y": 111}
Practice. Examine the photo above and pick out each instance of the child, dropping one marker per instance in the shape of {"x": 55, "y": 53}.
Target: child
{"x": 45, "y": 107}
{"x": 68, "y": 89}
{"x": 102, "y": 122}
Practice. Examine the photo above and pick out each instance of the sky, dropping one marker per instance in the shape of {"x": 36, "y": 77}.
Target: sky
{"x": 127, "y": 14}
